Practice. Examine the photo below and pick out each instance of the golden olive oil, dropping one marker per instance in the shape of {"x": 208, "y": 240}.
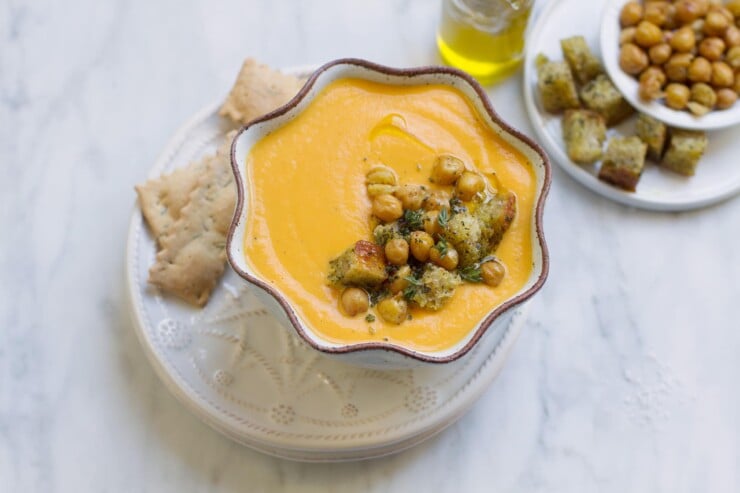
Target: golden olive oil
{"x": 483, "y": 37}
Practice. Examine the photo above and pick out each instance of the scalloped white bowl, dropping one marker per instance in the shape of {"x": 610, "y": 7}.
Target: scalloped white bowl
{"x": 382, "y": 354}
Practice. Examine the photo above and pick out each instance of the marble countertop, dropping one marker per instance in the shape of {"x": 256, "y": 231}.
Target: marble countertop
{"x": 624, "y": 379}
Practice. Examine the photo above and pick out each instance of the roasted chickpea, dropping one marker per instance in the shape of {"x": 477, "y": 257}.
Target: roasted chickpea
{"x": 447, "y": 169}
{"x": 411, "y": 196}
{"x": 420, "y": 242}
{"x": 712, "y": 48}
{"x": 703, "y": 94}
{"x": 447, "y": 261}
{"x": 689, "y": 10}
{"x": 632, "y": 59}
{"x": 380, "y": 180}
{"x": 734, "y": 7}
{"x": 671, "y": 22}
{"x": 354, "y": 301}
{"x": 387, "y": 208}
{"x": 648, "y": 34}
{"x": 698, "y": 27}
{"x": 399, "y": 281}
{"x": 724, "y": 11}
{"x": 437, "y": 199}
{"x": 630, "y": 14}
{"x": 651, "y": 83}
{"x": 394, "y": 310}
{"x": 677, "y": 67}
{"x": 700, "y": 70}
{"x": 397, "y": 251}
{"x": 733, "y": 57}
{"x": 429, "y": 220}
{"x": 649, "y": 89}
{"x": 381, "y": 175}
{"x": 660, "y": 53}
{"x": 683, "y": 40}
{"x": 732, "y": 36}
{"x": 726, "y": 97}
{"x": 493, "y": 272}
{"x": 722, "y": 75}
{"x": 654, "y": 73}
{"x": 469, "y": 185}
{"x": 376, "y": 189}
{"x": 715, "y": 23}
{"x": 676, "y": 96}
{"x": 627, "y": 35}
{"x": 656, "y": 13}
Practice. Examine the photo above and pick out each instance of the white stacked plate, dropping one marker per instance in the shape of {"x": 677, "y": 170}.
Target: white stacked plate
{"x": 254, "y": 381}
{"x": 717, "y": 176}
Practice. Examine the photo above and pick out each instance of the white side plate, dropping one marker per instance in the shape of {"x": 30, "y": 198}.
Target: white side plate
{"x": 717, "y": 176}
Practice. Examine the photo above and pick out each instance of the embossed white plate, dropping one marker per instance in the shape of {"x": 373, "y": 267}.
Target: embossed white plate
{"x": 717, "y": 176}
{"x": 253, "y": 380}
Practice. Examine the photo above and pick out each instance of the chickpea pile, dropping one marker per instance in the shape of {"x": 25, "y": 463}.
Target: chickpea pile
{"x": 417, "y": 216}
{"x": 684, "y": 51}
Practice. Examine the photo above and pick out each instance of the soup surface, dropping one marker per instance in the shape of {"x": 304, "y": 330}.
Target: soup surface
{"x": 308, "y": 201}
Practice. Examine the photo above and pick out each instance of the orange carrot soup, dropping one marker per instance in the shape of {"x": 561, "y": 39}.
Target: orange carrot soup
{"x": 310, "y": 202}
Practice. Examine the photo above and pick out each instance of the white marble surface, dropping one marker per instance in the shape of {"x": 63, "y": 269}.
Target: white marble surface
{"x": 625, "y": 378}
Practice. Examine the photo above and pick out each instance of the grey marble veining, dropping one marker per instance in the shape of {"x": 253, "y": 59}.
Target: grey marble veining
{"x": 623, "y": 380}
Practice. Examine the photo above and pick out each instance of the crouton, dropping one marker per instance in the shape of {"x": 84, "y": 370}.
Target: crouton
{"x": 601, "y": 96}
{"x": 623, "y": 162}
{"x": 464, "y": 232}
{"x": 556, "y": 85}
{"x": 434, "y": 288}
{"x": 362, "y": 265}
{"x": 495, "y": 217}
{"x": 383, "y": 233}
{"x": 583, "y": 64}
{"x": 653, "y": 133}
{"x": 685, "y": 149}
{"x": 584, "y": 133}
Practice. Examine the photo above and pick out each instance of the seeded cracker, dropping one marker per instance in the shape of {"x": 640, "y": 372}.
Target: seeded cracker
{"x": 258, "y": 90}
{"x": 193, "y": 252}
{"x": 163, "y": 198}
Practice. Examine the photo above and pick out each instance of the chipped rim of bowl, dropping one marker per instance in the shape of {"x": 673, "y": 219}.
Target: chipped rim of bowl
{"x": 284, "y": 302}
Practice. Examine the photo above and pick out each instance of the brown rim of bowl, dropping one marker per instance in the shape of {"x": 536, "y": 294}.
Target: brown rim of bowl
{"x": 493, "y": 315}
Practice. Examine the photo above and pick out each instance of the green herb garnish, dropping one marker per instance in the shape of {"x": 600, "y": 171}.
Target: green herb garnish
{"x": 443, "y": 218}
{"x": 411, "y": 221}
{"x": 410, "y": 291}
{"x": 370, "y": 318}
{"x": 457, "y": 206}
{"x": 377, "y": 295}
{"x": 442, "y": 247}
{"x": 472, "y": 273}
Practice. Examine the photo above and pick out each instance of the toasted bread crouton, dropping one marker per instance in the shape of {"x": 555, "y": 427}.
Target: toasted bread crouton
{"x": 556, "y": 85}
{"x": 584, "y": 65}
{"x": 362, "y": 265}
{"x": 383, "y": 233}
{"x": 464, "y": 232}
{"x": 623, "y": 162}
{"x": 584, "y": 133}
{"x": 684, "y": 151}
{"x": 653, "y": 133}
{"x": 495, "y": 217}
{"x": 436, "y": 286}
{"x": 601, "y": 96}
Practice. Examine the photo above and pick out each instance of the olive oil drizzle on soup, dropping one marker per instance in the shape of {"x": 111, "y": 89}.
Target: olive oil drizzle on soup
{"x": 308, "y": 201}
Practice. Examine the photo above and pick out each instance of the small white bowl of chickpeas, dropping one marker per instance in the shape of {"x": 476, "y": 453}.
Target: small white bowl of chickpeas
{"x": 677, "y": 61}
